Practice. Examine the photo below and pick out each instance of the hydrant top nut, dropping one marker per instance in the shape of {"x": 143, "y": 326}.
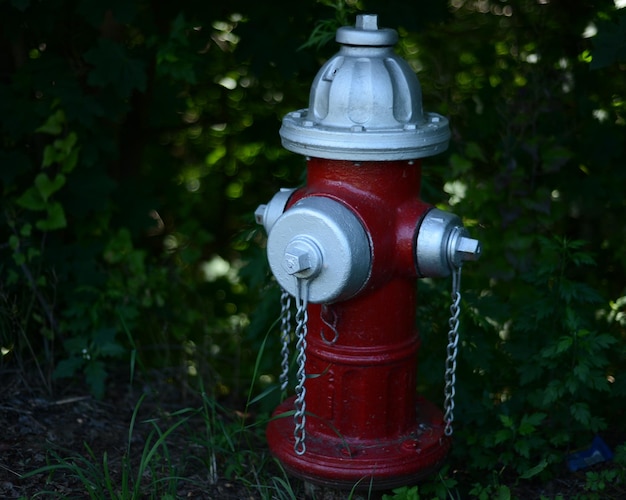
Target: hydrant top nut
{"x": 366, "y": 33}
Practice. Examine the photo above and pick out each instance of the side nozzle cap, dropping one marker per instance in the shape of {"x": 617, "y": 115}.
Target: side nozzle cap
{"x": 320, "y": 240}
{"x": 442, "y": 243}
{"x": 267, "y": 215}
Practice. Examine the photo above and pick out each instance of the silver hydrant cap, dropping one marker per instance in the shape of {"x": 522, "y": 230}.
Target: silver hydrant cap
{"x": 365, "y": 104}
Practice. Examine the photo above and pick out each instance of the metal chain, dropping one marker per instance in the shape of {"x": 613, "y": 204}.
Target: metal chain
{"x": 285, "y": 332}
{"x": 302, "y": 317}
{"x": 452, "y": 351}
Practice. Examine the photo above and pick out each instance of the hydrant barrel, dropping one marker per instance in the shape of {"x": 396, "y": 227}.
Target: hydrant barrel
{"x": 356, "y": 238}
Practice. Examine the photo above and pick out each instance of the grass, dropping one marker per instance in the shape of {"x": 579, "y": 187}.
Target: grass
{"x": 98, "y": 477}
{"x": 207, "y": 448}
{"x": 216, "y": 444}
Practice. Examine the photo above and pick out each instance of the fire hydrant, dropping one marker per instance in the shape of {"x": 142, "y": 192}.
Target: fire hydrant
{"x": 349, "y": 247}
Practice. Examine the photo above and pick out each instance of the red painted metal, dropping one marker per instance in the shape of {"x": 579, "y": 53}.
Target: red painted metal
{"x": 365, "y": 422}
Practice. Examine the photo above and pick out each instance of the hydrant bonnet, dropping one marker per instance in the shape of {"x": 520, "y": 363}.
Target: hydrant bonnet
{"x": 365, "y": 104}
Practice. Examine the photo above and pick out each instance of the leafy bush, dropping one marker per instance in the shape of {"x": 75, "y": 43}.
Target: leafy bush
{"x": 125, "y": 224}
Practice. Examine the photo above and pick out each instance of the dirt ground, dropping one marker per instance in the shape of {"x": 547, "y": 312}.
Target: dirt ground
{"x": 36, "y": 428}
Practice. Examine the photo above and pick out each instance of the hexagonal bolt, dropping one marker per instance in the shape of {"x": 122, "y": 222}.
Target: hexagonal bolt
{"x": 296, "y": 260}
{"x": 302, "y": 258}
{"x": 468, "y": 249}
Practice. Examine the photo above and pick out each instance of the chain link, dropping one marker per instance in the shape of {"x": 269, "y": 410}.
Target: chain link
{"x": 285, "y": 333}
{"x": 302, "y": 317}
{"x": 452, "y": 351}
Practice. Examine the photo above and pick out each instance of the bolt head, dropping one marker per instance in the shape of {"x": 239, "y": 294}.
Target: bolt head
{"x": 468, "y": 249}
{"x": 296, "y": 260}
{"x": 302, "y": 258}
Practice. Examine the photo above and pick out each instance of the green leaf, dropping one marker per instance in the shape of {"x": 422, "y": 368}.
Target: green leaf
{"x": 55, "y": 219}
{"x": 95, "y": 376}
{"x": 105, "y": 343}
{"x": 582, "y": 371}
{"x": 604, "y": 340}
{"x": 555, "y": 157}
{"x": 504, "y": 493}
{"x": 564, "y": 344}
{"x": 63, "y": 151}
{"x": 581, "y": 412}
{"x": 502, "y": 436}
{"x": 47, "y": 187}
{"x": 50, "y": 156}
{"x": 533, "y": 471}
{"x": 554, "y": 391}
{"x": 529, "y": 423}
{"x": 32, "y": 253}
{"x": 68, "y": 367}
{"x": 522, "y": 446}
{"x": 70, "y": 161}
{"x": 531, "y": 372}
{"x": 113, "y": 66}
{"x": 474, "y": 151}
{"x": 460, "y": 164}
{"x": 14, "y": 242}
{"x": 19, "y": 258}
{"x": 54, "y": 124}
{"x": 66, "y": 144}
{"x": 31, "y": 199}
{"x": 507, "y": 421}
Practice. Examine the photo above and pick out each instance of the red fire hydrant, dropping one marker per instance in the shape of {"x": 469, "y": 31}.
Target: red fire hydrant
{"x": 349, "y": 247}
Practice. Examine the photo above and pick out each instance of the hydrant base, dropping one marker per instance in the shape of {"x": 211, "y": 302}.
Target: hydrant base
{"x": 347, "y": 462}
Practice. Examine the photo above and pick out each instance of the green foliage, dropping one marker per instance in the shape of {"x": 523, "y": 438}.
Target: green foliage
{"x": 324, "y": 30}
{"x": 531, "y": 173}
{"x": 489, "y": 491}
{"x": 440, "y": 487}
{"x": 116, "y": 210}
{"x": 403, "y": 493}
{"x": 112, "y": 66}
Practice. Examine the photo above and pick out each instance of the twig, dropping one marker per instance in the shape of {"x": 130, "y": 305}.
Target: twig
{"x": 71, "y": 399}
{"x": 15, "y": 410}
{"x": 10, "y": 470}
